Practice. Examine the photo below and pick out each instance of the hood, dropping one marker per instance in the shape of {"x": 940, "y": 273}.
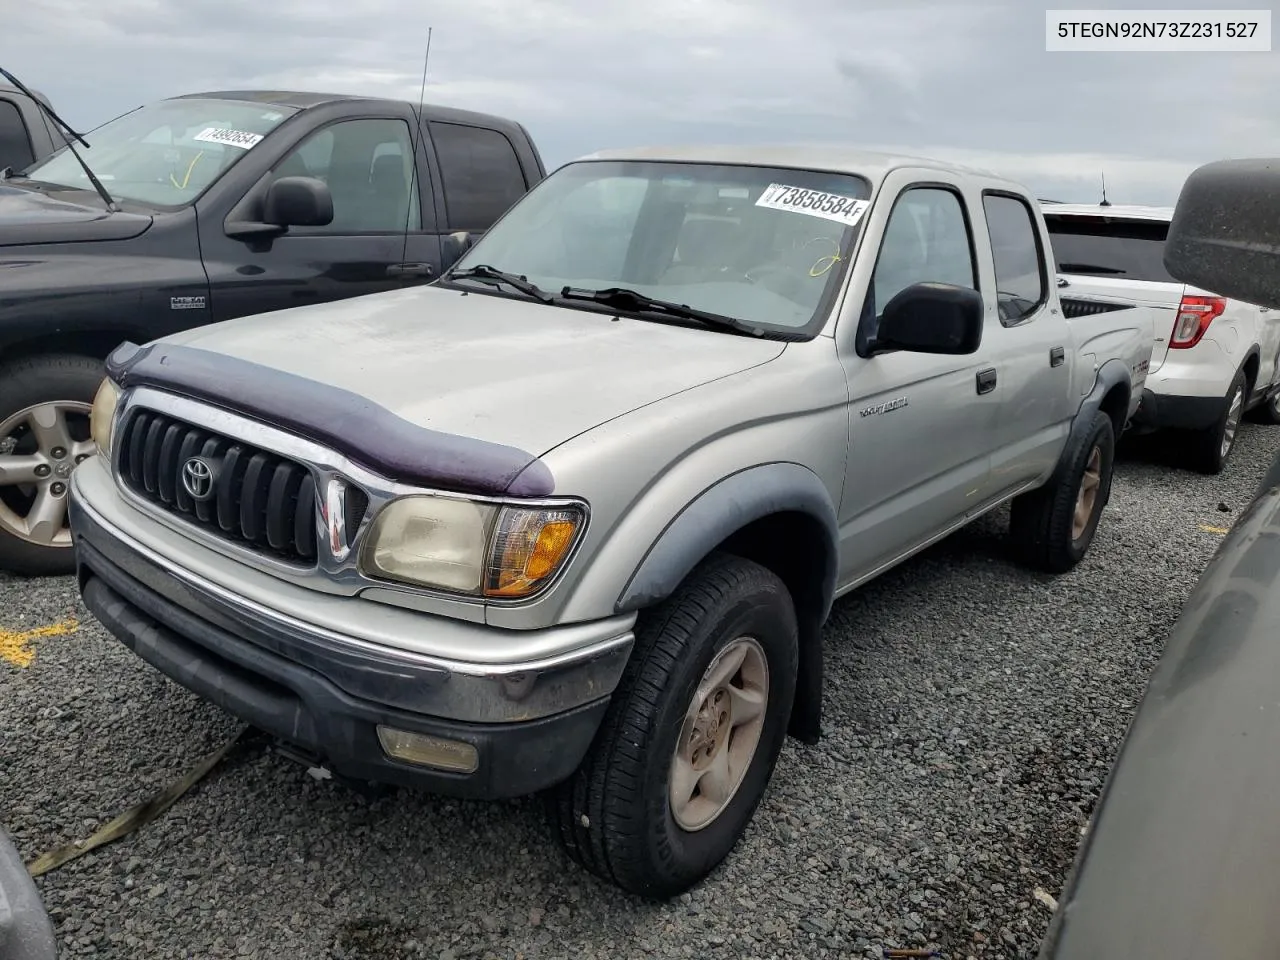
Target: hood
{"x": 28, "y": 216}
{"x": 506, "y": 371}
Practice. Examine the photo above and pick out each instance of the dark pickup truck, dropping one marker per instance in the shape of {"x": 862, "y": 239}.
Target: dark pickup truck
{"x": 26, "y": 132}
{"x": 214, "y": 206}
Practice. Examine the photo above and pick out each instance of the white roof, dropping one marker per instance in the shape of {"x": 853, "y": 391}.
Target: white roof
{"x": 832, "y": 157}
{"x": 1130, "y": 212}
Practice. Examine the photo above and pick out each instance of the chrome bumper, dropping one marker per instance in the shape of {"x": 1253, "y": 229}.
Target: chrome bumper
{"x": 572, "y": 665}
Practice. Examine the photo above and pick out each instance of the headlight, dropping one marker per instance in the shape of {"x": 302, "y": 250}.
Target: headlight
{"x": 469, "y": 547}
{"x": 102, "y": 415}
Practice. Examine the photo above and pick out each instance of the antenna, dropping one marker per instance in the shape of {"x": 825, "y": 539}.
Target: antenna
{"x": 1105, "y": 202}
{"x": 413, "y": 147}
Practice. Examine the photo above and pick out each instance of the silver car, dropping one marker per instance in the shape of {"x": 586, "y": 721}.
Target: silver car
{"x": 571, "y": 519}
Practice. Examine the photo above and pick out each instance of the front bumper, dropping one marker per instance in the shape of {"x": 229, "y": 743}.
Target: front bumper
{"x": 326, "y": 693}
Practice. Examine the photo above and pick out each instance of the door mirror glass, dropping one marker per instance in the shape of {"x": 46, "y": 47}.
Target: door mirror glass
{"x": 298, "y": 202}
{"x": 931, "y": 318}
{"x": 1225, "y": 234}
{"x": 454, "y": 246}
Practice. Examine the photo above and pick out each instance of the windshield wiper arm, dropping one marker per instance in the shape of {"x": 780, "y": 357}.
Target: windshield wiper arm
{"x": 482, "y": 271}
{"x": 632, "y": 300}
{"x": 112, "y": 206}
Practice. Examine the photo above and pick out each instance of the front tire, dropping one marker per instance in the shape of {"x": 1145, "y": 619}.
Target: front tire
{"x": 44, "y": 433}
{"x": 1269, "y": 410}
{"x": 691, "y": 736}
{"x": 1052, "y": 528}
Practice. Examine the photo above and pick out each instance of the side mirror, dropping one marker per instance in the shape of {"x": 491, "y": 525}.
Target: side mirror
{"x": 298, "y": 202}
{"x": 1225, "y": 234}
{"x": 931, "y": 318}
{"x": 453, "y": 247}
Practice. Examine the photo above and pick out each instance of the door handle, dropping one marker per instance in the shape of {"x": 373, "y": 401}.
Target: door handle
{"x": 410, "y": 270}
{"x": 986, "y": 380}
{"x": 1056, "y": 356}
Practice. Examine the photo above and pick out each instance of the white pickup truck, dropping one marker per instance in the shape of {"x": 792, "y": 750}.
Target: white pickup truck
{"x": 571, "y": 519}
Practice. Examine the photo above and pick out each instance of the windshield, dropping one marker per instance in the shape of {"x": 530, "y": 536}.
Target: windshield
{"x": 766, "y": 246}
{"x": 164, "y": 154}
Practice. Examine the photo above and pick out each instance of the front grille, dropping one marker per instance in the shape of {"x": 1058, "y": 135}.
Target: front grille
{"x": 260, "y": 499}
{"x": 1073, "y": 307}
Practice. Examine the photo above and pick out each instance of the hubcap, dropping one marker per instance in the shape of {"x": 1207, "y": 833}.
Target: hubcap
{"x": 1233, "y": 421}
{"x": 1088, "y": 495}
{"x": 39, "y": 447}
{"x": 720, "y": 734}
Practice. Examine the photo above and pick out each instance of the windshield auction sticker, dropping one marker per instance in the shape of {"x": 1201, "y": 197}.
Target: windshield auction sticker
{"x": 229, "y": 138}
{"x": 815, "y": 203}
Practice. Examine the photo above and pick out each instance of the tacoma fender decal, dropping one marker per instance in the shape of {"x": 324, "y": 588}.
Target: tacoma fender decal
{"x": 344, "y": 421}
{"x": 722, "y": 509}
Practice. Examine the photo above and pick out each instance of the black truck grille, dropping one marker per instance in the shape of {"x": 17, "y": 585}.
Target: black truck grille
{"x": 259, "y": 499}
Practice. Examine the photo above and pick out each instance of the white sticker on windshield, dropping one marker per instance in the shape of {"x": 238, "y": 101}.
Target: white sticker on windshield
{"x": 230, "y": 138}
{"x": 815, "y": 203}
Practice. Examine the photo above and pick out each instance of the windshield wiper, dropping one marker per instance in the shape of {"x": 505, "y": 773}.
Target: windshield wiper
{"x": 622, "y": 298}
{"x": 1088, "y": 268}
{"x": 484, "y": 272}
{"x": 112, "y": 206}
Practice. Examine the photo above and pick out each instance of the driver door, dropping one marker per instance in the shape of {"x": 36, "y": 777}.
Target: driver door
{"x": 919, "y": 424}
{"x": 378, "y": 224}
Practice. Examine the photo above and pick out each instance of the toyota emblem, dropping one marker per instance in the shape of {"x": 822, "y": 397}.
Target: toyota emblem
{"x": 197, "y": 478}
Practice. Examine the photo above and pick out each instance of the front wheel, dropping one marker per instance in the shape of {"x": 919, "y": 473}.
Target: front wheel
{"x": 44, "y": 433}
{"x": 691, "y": 736}
{"x": 1052, "y": 527}
{"x": 1269, "y": 410}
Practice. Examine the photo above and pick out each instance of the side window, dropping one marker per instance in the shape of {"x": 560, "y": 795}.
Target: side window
{"x": 1021, "y": 284}
{"x": 926, "y": 240}
{"x": 15, "y": 143}
{"x": 368, "y": 165}
{"x": 481, "y": 173}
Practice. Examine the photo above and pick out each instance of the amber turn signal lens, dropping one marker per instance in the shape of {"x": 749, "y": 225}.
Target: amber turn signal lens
{"x": 529, "y": 547}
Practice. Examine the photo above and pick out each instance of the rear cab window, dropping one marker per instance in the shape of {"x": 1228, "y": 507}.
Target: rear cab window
{"x": 481, "y": 173}
{"x": 1105, "y": 247}
{"x": 16, "y": 151}
{"x": 1021, "y": 285}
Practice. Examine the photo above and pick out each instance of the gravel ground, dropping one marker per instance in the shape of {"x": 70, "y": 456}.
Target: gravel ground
{"x": 972, "y": 712}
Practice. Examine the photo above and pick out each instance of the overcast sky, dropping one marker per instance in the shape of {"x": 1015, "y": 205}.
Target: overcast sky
{"x": 936, "y": 77}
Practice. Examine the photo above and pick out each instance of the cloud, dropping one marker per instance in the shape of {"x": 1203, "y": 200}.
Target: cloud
{"x": 929, "y": 76}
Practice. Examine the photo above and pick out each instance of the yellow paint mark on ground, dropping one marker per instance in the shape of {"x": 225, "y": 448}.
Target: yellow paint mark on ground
{"x": 15, "y": 647}
{"x": 1219, "y": 530}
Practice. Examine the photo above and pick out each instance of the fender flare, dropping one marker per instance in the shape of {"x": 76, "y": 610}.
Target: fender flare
{"x": 1111, "y": 374}
{"x": 718, "y": 512}
{"x": 721, "y": 510}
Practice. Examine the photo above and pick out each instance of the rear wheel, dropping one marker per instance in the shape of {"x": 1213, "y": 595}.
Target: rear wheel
{"x": 1209, "y": 449}
{"x": 1052, "y": 528}
{"x": 691, "y": 736}
{"x": 44, "y": 433}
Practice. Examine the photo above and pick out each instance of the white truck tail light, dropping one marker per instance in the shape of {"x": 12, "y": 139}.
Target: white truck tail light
{"x": 1195, "y": 313}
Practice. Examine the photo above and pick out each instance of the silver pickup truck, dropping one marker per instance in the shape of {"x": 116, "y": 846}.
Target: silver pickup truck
{"x": 570, "y": 520}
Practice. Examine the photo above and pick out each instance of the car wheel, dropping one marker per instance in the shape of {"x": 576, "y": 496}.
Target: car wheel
{"x": 44, "y": 433}
{"x": 1052, "y": 528}
{"x": 691, "y": 736}
{"x": 1210, "y": 449}
{"x": 1269, "y": 410}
